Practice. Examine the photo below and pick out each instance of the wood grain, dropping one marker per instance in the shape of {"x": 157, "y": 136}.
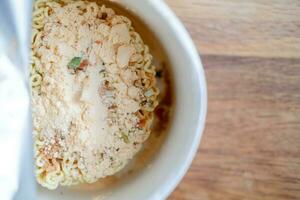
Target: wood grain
{"x": 248, "y": 28}
{"x": 251, "y": 145}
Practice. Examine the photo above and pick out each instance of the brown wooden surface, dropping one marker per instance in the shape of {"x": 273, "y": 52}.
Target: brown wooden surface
{"x": 251, "y": 54}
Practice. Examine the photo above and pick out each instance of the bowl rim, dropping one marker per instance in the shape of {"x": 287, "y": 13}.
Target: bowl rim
{"x": 175, "y": 25}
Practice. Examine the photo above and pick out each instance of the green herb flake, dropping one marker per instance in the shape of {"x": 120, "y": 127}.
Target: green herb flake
{"x": 149, "y": 93}
{"x": 74, "y": 63}
{"x": 125, "y": 138}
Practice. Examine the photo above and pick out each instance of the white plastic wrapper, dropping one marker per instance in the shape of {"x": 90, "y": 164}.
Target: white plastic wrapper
{"x": 16, "y": 169}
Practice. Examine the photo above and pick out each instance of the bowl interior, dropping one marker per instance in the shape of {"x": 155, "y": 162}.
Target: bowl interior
{"x": 172, "y": 160}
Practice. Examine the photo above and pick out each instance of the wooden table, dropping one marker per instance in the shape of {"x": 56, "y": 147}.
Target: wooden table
{"x": 251, "y": 54}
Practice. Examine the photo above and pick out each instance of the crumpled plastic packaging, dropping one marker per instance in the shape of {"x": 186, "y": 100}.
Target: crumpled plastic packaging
{"x": 16, "y": 152}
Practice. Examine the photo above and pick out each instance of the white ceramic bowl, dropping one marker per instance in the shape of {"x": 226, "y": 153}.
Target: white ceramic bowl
{"x": 173, "y": 160}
